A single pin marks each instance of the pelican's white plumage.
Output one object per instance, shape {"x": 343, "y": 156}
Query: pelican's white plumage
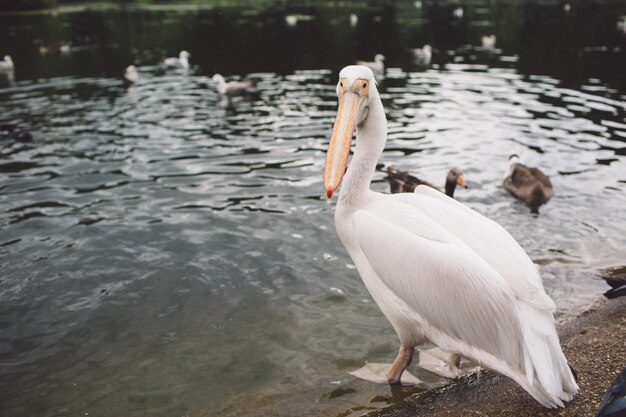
{"x": 438, "y": 270}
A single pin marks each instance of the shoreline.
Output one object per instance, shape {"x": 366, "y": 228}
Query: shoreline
{"x": 595, "y": 346}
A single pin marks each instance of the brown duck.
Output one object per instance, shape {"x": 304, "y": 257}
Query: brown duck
{"x": 403, "y": 182}
{"x": 528, "y": 184}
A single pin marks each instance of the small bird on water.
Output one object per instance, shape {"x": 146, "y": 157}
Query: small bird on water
{"x": 528, "y": 184}
{"x": 182, "y": 62}
{"x": 403, "y": 182}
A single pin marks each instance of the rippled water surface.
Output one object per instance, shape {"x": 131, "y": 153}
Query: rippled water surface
{"x": 165, "y": 253}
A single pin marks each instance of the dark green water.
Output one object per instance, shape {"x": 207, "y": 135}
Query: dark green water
{"x": 164, "y": 254}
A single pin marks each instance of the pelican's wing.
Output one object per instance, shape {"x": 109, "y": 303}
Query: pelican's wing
{"x": 460, "y": 301}
{"x": 488, "y": 239}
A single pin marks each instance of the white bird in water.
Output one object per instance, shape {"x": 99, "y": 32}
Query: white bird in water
{"x": 131, "y": 76}
{"x": 378, "y": 66}
{"x": 438, "y": 270}
{"x": 232, "y": 88}
{"x": 489, "y": 42}
{"x": 182, "y": 62}
{"x": 458, "y": 12}
{"x": 6, "y": 65}
{"x": 291, "y": 20}
{"x": 423, "y": 55}
{"x": 354, "y": 20}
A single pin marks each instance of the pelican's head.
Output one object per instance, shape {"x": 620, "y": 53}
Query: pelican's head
{"x": 355, "y": 89}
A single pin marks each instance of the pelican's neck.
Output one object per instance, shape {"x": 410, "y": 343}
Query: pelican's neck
{"x": 370, "y": 142}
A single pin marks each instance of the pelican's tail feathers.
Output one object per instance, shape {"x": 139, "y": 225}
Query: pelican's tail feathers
{"x": 549, "y": 378}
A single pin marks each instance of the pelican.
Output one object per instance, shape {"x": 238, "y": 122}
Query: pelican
{"x": 232, "y": 88}
{"x": 438, "y": 270}
{"x": 528, "y": 184}
{"x": 131, "y": 76}
{"x": 403, "y": 182}
{"x": 6, "y": 65}
{"x": 422, "y": 55}
{"x": 181, "y": 62}
{"x": 378, "y": 66}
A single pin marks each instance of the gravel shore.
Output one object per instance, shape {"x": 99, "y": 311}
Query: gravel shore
{"x": 595, "y": 345}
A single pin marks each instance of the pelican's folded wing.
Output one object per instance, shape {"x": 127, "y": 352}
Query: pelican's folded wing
{"x": 461, "y": 302}
{"x": 488, "y": 239}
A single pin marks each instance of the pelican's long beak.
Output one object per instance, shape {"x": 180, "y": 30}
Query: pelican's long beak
{"x": 352, "y": 101}
{"x": 461, "y": 181}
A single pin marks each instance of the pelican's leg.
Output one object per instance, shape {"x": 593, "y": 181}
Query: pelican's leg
{"x": 403, "y": 360}
{"x": 441, "y": 363}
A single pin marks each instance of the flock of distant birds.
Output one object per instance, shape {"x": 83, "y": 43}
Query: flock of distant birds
{"x": 226, "y": 89}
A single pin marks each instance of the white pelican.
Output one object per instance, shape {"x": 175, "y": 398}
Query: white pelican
{"x": 403, "y": 182}
{"x": 528, "y": 184}
{"x": 488, "y": 41}
{"x": 6, "y": 65}
{"x": 131, "y": 76}
{"x": 423, "y": 55}
{"x": 438, "y": 270}
{"x": 232, "y": 88}
{"x": 181, "y": 62}
{"x": 378, "y": 66}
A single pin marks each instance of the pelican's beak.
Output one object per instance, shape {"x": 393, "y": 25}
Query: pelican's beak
{"x": 461, "y": 181}
{"x": 352, "y": 100}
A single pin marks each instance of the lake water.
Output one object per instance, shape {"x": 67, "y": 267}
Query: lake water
{"x": 166, "y": 254}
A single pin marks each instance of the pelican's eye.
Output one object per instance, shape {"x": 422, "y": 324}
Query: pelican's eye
{"x": 341, "y": 84}
{"x": 364, "y": 84}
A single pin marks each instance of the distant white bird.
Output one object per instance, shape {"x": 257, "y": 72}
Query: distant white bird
{"x": 567, "y": 7}
{"x": 621, "y": 25}
{"x": 7, "y": 65}
{"x": 354, "y": 20}
{"x": 458, "y": 12}
{"x": 422, "y": 55}
{"x": 417, "y": 4}
{"x": 378, "y": 66}
{"x": 131, "y": 76}
{"x": 438, "y": 270}
{"x": 291, "y": 20}
{"x": 232, "y": 88}
{"x": 181, "y": 62}
{"x": 488, "y": 41}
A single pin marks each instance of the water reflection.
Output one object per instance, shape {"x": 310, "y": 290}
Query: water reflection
{"x": 164, "y": 254}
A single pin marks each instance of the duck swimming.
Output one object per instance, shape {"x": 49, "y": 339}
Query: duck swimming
{"x": 403, "y": 182}
{"x": 528, "y": 184}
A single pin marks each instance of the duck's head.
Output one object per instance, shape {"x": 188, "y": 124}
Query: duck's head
{"x": 184, "y": 55}
{"x": 356, "y": 89}
{"x": 379, "y": 58}
{"x": 454, "y": 178}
